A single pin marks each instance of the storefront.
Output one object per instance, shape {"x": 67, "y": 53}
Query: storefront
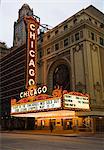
{"x": 92, "y": 120}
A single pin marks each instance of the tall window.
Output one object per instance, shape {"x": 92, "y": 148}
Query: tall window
{"x": 81, "y": 34}
{"x": 48, "y": 50}
{"x": 56, "y": 46}
{"x": 66, "y": 27}
{"x": 56, "y": 32}
{"x": 40, "y": 54}
{"x": 66, "y": 42}
{"x": 77, "y": 36}
{"x": 48, "y": 36}
{"x": 72, "y": 38}
{"x": 92, "y": 36}
{"x": 101, "y": 41}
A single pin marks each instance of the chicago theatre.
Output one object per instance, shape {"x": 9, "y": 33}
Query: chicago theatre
{"x": 54, "y": 76}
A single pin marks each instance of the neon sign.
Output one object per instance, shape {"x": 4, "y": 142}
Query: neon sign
{"x": 76, "y": 101}
{"x": 33, "y": 92}
{"x": 49, "y": 104}
{"x": 32, "y": 26}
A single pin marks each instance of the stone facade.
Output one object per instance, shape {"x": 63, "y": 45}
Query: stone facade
{"x": 77, "y": 43}
{"x": 70, "y": 55}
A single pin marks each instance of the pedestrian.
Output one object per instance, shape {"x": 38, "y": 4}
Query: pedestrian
{"x": 51, "y": 127}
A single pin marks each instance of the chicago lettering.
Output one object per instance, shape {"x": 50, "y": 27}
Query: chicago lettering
{"x": 32, "y": 55}
{"x": 33, "y": 92}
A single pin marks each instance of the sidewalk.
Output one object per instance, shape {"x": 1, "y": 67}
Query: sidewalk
{"x": 64, "y": 133}
{"x": 43, "y": 132}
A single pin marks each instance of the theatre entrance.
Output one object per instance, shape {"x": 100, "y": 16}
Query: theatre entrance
{"x": 57, "y": 123}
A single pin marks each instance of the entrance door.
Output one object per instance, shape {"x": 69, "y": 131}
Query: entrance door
{"x": 68, "y": 124}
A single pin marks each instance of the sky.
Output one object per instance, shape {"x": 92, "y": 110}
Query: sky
{"x": 51, "y": 12}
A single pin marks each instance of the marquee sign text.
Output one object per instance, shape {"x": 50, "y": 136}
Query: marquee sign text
{"x": 32, "y": 27}
{"x": 36, "y": 106}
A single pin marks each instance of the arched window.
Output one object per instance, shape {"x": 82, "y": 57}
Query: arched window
{"x": 61, "y": 77}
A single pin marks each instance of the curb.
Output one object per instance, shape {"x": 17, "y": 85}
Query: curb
{"x": 56, "y": 134}
{"x": 47, "y": 134}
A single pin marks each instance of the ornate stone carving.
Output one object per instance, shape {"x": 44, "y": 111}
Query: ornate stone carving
{"x": 93, "y": 47}
{"x": 78, "y": 47}
{"x": 97, "y": 86}
{"x": 80, "y": 87}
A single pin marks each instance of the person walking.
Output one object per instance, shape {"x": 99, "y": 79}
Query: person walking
{"x": 51, "y": 127}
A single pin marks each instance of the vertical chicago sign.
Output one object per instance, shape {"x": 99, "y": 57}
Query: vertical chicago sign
{"x": 32, "y": 25}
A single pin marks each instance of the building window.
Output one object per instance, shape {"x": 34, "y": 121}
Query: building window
{"x": 92, "y": 36}
{"x": 77, "y": 36}
{"x": 95, "y": 22}
{"x": 66, "y": 42}
{"x": 81, "y": 34}
{"x": 48, "y": 50}
{"x": 90, "y": 19}
{"x": 56, "y": 46}
{"x": 101, "y": 41}
{"x": 61, "y": 77}
{"x": 42, "y": 40}
{"x": 72, "y": 38}
{"x": 75, "y": 20}
{"x": 40, "y": 54}
{"x": 102, "y": 25}
{"x": 65, "y": 27}
{"x": 48, "y": 36}
{"x": 56, "y": 32}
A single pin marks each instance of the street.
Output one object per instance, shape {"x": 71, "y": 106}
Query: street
{"x": 15, "y": 141}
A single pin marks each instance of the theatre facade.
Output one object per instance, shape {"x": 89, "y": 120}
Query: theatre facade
{"x": 58, "y": 109}
{"x": 63, "y": 74}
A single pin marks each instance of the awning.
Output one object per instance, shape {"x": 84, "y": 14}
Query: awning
{"x": 60, "y": 113}
{"x": 90, "y": 113}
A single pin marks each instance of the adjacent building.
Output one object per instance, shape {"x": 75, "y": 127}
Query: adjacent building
{"x": 19, "y": 37}
{"x": 70, "y": 55}
{"x": 3, "y": 50}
